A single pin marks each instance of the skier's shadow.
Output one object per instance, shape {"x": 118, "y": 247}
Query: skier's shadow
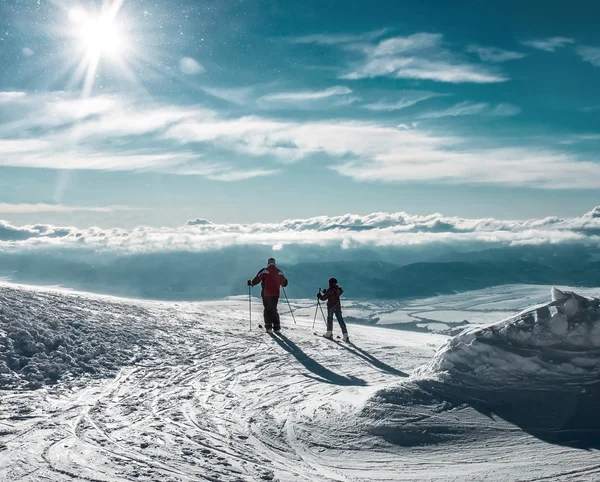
{"x": 359, "y": 352}
{"x": 324, "y": 374}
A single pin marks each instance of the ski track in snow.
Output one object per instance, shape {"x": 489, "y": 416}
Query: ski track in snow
{"x": 211, "y": 400}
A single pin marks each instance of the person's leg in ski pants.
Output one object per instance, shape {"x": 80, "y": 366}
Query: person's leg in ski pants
{"x": 270, "y": 313}
{"x": 338, "y": 314}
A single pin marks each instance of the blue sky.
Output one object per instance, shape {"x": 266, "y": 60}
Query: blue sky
{"x": 152, "y": 113}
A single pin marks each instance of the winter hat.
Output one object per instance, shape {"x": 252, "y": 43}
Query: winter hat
{"x": 332, "y": 281}
{"x": 271, "y": 261}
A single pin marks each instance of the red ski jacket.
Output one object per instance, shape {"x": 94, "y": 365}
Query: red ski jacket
{"x": 332, "y": 295}
{"x": 271, "y": 279}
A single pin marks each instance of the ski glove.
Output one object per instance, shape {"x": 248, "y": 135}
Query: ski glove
{"x": 249, "y": 282}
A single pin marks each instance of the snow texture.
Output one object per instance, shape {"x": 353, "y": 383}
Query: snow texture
{"x": 193, "y": 394}
{"x": 46, "y": 337}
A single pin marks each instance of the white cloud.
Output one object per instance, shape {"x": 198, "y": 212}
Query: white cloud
{"x": 389, "y": 154}
{"x": 549, "y": 44}
{"x": 306, "y": 95}
{"x": 174, "y": 139}
{"x": 529, "y": 167}
{"x": 189, "y": 66}
{"x": 234, "y": 95}
{"x": 469, "y": 108}
{"x": 27, "y": 52}
{"x": 405, "y": 99}
{"x": 589, "y": 54}
{"x": 23, "y": 208}
{"x": 494, "y": 54}
{"x": 11, "y": 96}
{"x": 420, "y": 56}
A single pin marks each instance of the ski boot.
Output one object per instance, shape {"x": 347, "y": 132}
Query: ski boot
{"x": 328, "y": 335}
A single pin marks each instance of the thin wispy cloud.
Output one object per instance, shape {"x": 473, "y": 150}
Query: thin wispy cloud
{"x": 422, "y": 56}
{"x": 182, "y": 140}
{"x": 549, "y": 44}
{"x": 589, "y": 54}
{"x": 219, "y": 172}
{"x": 494, "y": 54}
{"x": 233, "y": 95}
{"x": 591, "y": 108}
{"x": 505, "y": 110}
{"x": 24, "y": 208}
{"x": 386, "y": 154}
{"x": 307, "y": 95}
{"x": 338, "y": 39}
{"x": 405, "y": 99}
{"x": 470, "y": 108}
{"x": 233, "y": 175}
{"x": 580, "y": 138}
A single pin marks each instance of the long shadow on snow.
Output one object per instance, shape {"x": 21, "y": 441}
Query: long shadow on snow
{"x": 561, "y": 415}
{"x": 359, "y": 352}
{"x": 421, "y": 412}
{"x": 324, "y": 374}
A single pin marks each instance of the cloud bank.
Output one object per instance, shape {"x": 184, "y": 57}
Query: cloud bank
{"x": 208, "y": 260}
{"x": 349, "y": 231}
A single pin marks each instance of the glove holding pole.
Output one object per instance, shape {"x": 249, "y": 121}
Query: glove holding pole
{"x": 317, "y": 308}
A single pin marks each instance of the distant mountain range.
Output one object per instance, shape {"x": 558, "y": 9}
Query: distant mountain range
{"x": 197, "y": 276}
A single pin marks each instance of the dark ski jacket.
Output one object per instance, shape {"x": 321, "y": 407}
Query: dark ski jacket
{"x": 271, "y": 279}
{"x": 332, "y": 295}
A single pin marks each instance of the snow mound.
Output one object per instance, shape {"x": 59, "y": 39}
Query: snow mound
{"x": 557, "y": 340}
{"x": 48, "y": 337}
{"x": 538, "y": 370}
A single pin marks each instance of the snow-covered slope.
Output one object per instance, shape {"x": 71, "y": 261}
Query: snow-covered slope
{"x": 198, "y": 396}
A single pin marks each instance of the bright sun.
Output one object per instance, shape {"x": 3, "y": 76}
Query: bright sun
{"x": 100, "y": 36}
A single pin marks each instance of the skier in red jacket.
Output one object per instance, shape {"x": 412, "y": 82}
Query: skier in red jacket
{"x": 271, "y": 279}
{"x": 334, "y": 307}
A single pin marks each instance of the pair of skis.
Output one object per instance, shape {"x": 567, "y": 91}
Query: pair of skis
{"x": 336, "y": 339}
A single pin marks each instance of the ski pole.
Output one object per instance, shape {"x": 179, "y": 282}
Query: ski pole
{"x": 323, "y": 313}
{"x": 316, "y": 311}
{"x": 290, "y": 306}
{"x": 250, "y": 304}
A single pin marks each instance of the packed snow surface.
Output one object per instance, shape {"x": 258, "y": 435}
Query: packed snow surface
{"x": 104, "y": 389}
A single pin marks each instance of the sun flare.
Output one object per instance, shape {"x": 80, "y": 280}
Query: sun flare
{"x": 99, "y": 36}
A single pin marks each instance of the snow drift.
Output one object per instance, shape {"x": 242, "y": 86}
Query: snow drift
{"x": 539, "y": 370}
{"x": 555, "y": 342}
{"x": 46, "y": 337}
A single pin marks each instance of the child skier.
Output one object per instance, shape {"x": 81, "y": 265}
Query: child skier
{"x": 334, "y": 307}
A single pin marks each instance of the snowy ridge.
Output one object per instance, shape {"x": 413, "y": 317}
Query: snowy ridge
{"x": 558, "y": 339}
